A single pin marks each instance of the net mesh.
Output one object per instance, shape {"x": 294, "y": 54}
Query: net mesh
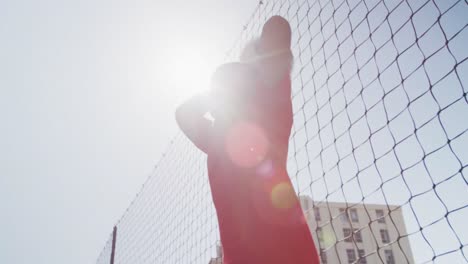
{"x": 105, "y": 255}
{"x": 380, "y": 107}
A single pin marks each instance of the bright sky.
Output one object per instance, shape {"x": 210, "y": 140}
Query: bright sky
{"x": 87, "y": 97}
{"x": 88, "y": 90}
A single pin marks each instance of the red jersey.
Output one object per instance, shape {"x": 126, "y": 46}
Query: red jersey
{"x": 259, "y": 215}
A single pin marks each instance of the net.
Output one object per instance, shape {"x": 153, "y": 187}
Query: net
{"x": 379, "y": 148}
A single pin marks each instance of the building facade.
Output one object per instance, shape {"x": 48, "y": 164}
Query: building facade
{"x": 354, "y": 233}
{"x": 358, "y": 233}
{"x": 219, "y": 255}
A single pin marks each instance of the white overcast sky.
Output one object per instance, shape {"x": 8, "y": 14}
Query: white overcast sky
{"x": 88, "y": 90}
{"x": 87, "y": 93}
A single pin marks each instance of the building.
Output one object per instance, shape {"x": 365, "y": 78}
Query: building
{"x": 354, "y": 233}
{"x": 358, "y": 233}
{"x": 217, "y": 260}
{"x": 219, "y": 255}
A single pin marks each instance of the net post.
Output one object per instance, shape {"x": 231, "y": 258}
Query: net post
{"x": 114, "y": 238}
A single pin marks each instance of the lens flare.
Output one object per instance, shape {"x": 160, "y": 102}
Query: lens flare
{"x": 265, "y": 169}
{"x": 246, "y": 144}
{"x": 283, "y": 196}
{"x": 327, "y": 237}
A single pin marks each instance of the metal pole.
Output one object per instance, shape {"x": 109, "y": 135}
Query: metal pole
{"x": 114, "y": 238}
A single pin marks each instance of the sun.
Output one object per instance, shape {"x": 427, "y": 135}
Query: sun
{"x": 189, "y": 73}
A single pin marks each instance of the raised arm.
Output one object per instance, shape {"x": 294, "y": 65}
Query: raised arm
{"x": 191, "y": 119}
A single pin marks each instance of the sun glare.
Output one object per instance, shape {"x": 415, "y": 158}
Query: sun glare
{"x": 189, "y": 73}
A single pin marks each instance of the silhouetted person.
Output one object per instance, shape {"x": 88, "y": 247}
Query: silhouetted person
{"x": 260, "y": 218}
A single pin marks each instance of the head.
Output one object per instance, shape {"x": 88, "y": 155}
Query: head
{"x": 276, "y": 35}
{"x": 272, "y": 51}
{"x": 270, "y": 54}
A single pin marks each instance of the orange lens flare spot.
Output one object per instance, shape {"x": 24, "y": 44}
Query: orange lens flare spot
{"x": 246, "y": 144}
{"x": 283, "y": 196}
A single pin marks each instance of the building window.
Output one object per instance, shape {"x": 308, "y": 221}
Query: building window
{"x": 357, "y": 235}
{"x": 389, "y": 259}
{"x": 347, "y": 235}
{"x": 343, "y": 215}
{"x": 354, "y": 215}
{"x": 361, "y": 254}
{"x": 323, "y": 256}
{"x": 384, "y": 235}
{"x": 351, "y": 255}
{"x": 380, "y": 216}
{"x": 317, "y": 214}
